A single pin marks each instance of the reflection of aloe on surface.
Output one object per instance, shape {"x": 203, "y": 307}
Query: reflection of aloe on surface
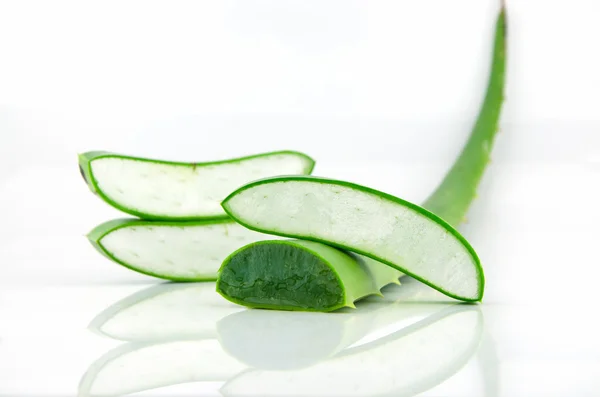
{"x": 287, "y": 340}
{"x": 165, "y": 312}
{"x": 173, "y": 339}
{"x": 407, "y": 237}
{"x": 404, "y": 363}
{"x": 174, "y": 357}
{"x": 135, "y": 367}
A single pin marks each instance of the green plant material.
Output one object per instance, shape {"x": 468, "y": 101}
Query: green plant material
{"x": 296, "y": 275}
{"x": 452, "y": 198}
{"x": 177, "y": 251}
{"x": 156, "y": 189}
{"x": 385, "y": 228}
{"x": 368, "y": 222}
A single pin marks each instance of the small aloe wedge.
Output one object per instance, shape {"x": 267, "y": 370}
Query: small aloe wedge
{"x": 168, "y": 190}
{"x": 298, "y": 275}
{"x": 177, "y": 251}
{"x": 420, "y": 241}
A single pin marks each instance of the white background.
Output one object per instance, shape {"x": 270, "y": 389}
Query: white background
{"x": 382, "y": 93}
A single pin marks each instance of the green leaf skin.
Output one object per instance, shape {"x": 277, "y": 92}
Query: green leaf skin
{"x": 158, "y": 191}
{"x": 446, "y": 207}
{"x": 181, "y": 246}
{"x": 294, "y": 275}
{"x": 452, "y": 198}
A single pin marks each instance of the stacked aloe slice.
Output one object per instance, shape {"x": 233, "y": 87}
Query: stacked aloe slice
{"x": 210, "y": 221}
{"x": 184, "y": 234}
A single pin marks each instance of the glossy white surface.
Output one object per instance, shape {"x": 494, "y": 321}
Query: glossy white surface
{"x": 413, "y": 342}
{"x": 380, "y": 93}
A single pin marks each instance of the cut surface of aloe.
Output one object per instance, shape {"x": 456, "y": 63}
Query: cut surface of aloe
{"x": 295, "y": 275}
{"x": 178, "y": 251}
{"x": 365, "y": 221}
{"x": 156, "y": 189}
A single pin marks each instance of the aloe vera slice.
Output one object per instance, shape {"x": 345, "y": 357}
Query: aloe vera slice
{"x": 296, "y": 275}
{"x": 385, "y": 228}
{"x": 156, "y": 189}
{"x": 165, "y": 312}
{"x": 365, "y": 221}
{"x": 178, "y": 251}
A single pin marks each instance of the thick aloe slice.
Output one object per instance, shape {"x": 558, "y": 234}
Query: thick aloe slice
{"x": 133, "y": 367}
{"x": 178, "y": 251}
{"x": 166, "y": 311}
{"x": 156, "y": 189}
{"x": 403, "y": 235}
{"x": 405, "y": 363}
{"x": 371, "y": 223}
{"x": 296, "y": 275}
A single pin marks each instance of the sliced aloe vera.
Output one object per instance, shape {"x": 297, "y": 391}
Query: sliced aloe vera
{"x": 385, "y": 228}
{"x": 296, "y": 275}
{"x": 362, "y": 220}
{"x": 178, "y": 251}
{"x": 156, "y": 189}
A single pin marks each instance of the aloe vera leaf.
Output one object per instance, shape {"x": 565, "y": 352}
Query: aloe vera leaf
{"x": 168, "y": 190}
{"x": 453, "y": 196}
